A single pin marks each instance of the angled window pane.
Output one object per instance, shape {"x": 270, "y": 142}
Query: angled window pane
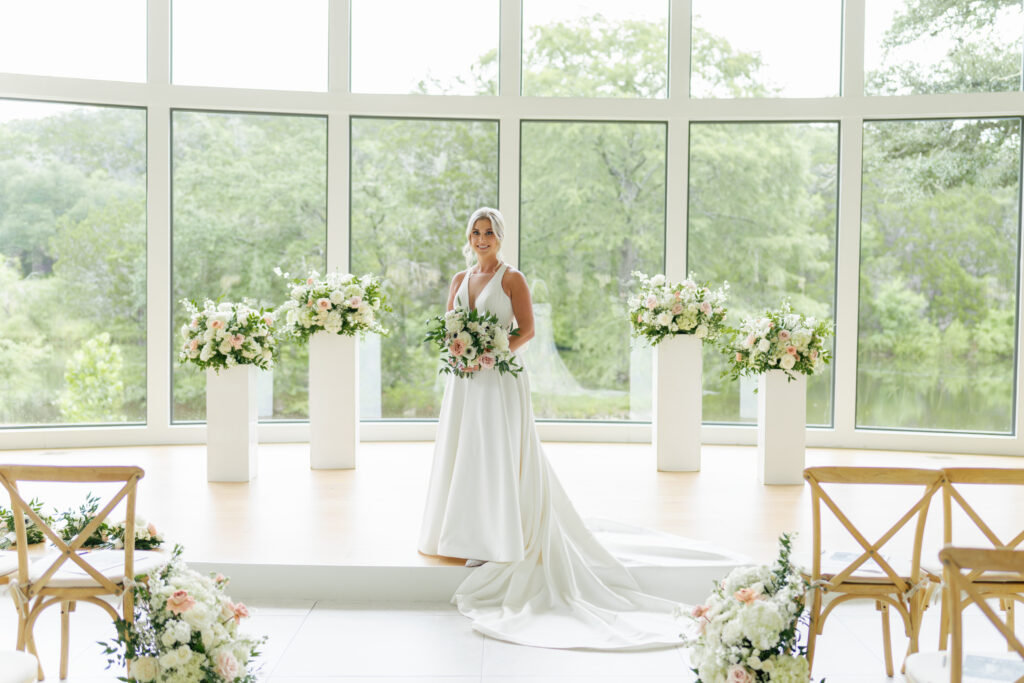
{"x": 442, "y": 47}
{"x": 249, "y": 193}
{"x": 104, "y": 39}
{"x": 948, "y": 47}
{"x": 592, "y": 212}
{"x": 752, "y": 48}
{"x": 762, "y": 216}
{"x": 414, "y": 185}
{"x": 250, "y": 44}
{"x": 595, "y": 48}
{"x": 938, "y": 283}
{"x": 72, "y": 264}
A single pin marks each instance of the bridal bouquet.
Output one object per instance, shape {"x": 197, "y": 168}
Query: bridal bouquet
{"x": 228, "y": 334}
{"x": 338, "y": 303}
{"x": 469, "y": 339}
{"x": 661, "y": 309}
{"x": 780, "y": 340}
{"x": 747, "y": 629}
{"x": 185, "y": 629}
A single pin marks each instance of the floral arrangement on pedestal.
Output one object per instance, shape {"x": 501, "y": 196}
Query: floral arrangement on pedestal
{"x": 223, "y": 335}
{"x": 185, "y": 629}
{"x": 660, "y": 308}
{"x": 338, "y": 303}
{"x": 779, "y": 340}
{"x": 470, "y": 340}
{"x": 747, "y": 629}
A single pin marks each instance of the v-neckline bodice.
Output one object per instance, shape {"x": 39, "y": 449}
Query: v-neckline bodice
{"x": 494, "y": 276}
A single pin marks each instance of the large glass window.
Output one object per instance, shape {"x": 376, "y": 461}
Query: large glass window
{"x": 943, "y": 47}
{"x": 762, "y": 216}
{"x": 592, "y": 212}
{"x": 938, "y": 286}
{"x": 752, "y": 48}
{"x": 74, "y": 39}
{"x": 250, "y": 44}
{"x": 605, "y": 48}
{"x": 414, "y": 184}
{"x": 72, "y": 264}
{"x": 442, "y": 47}
{"x": 249, "y": 193}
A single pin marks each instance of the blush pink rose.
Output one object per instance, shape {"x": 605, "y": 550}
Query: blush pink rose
{"x": 784, "y": 335}
{"x": 323, "y": 304}
{"x": 238, "y": 610}
{"x": 151, "y": 530}
{"x": 699, "y": 611}
{"x": 651, "y": 302}
{"x": 679, "y": 294}
{"x": 705, "y": 307}
{"x": 216, "y": 324}
{"x": 677, "y": 309}
{"x": 268, "y": 319}
{"x": 236, "y": 340}
{"x": 310, "y": 280}
{"x": 738, "y": 674}
{"x": 457, "y": 348}
{"x": 193, "y": 345}
{"x": 739, "y": 357}
{"x": 747, "y": 595}
{"x": 791, "y": 350}
{"x": 814, "y": 354}
{"x": 226, "y": 665}
{"x": 194, "y": 324}
{"x": 487, "y": 361}
{"x": 180, "y": 602}
{"x": 355, "y": 301}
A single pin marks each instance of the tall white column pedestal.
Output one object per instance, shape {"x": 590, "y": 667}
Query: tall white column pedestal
{"x": 678, "y": 368}
{"x": 231, "y": 424}
{"x": 333, "y": 401}
{"x": 781, "y": 427}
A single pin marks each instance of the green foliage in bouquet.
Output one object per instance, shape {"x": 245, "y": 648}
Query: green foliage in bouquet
{"x": 779, "y": 340}
{"x": 222, "y": 335}
{"x": 470, "y": 341}
{"x": 660, "y": 309}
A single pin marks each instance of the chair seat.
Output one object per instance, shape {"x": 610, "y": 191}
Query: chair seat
{"x": 109, "y": 563}
{"x": 933, "y": 667}
{"x": 17, "y": 667}
{"x": 8, "y": 562}
{"x": 834, "y": 562}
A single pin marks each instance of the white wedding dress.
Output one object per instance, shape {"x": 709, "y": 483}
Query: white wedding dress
{"x": 493, "y": 496}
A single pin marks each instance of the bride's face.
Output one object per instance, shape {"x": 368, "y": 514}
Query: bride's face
{"x": 482, "y": 239}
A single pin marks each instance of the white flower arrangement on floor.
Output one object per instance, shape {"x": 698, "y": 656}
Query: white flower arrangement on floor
{"x": 185, "y": 629}
{"x": 147, "y": 537}
{"x": 338, "y": 303}
{"x": 780, "y": 340}
{"x": 660, "y": 308}
{"x": 470, "y": 341}
{"x": 747, "y": 629}
{"x": 223, "y": 335}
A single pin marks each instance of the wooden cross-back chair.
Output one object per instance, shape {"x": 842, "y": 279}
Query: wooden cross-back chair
{"x": 67, "y": 576}
{"x": 961, "y": 569}
{"x": 902, "y": 587}
{"x": 1007, "y": 588}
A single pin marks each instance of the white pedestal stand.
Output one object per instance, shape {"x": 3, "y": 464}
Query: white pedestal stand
{"x": 678, "y": 365}
{"x": 781, "y": 427}
{"x": 231, "y": 424}
{"x": 333, "y": 401}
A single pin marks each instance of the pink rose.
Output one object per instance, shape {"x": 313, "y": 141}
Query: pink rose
{"x": 220, "y": 578}
{"x": 705, "y": 307}
{"x": 355, "y": 301}
{"x": 677, "y": 309}
{"x": 193, "y": 345}
{"x": 699, "y": 611}
{"x": 216, "y": 324}
{"x": 747, "y": 595}
{"x": 457, "y": 348}
{"x": 679, "y": 294}
{"x": 814, "y": 354}
{"x": 268, "y": 319}
{"x": 739, "y": 357}
{"x": 784, "y": 335}
{"x": 738, "y": 674}
{"x": 652, "y": 302}
{"x": 791, "y": 350}
{"x": 194, "y": 324}
{"x": 236, "y": 340}
{"x": 749, "y": 340}
{"x": 310, "y": 281}
{"x": 690, "y": 285}
{"x": 487, "y": 360}
{"x": 237, "y": 610}
{"x": 323, "y": 304}
{"x": 226, "y": 665}
{"x": 151, "y": 530}
{"x": 180, "y": 602}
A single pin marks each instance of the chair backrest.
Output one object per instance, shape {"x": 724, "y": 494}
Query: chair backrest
{"x": 958, "y": 565}
{"x": 10, "y": 475}
{"x": 955, "y": 501}
{"x": 928, "y": 480}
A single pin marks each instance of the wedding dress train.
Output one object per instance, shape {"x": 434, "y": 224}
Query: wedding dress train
{"x": 493, "y": 496}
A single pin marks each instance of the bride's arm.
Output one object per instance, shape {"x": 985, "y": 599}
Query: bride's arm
{"x": 453, "y": 289}
{"x": 522, "y": 308}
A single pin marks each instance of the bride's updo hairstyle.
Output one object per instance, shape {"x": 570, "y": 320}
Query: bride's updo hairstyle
{"x": 497, "y": 224}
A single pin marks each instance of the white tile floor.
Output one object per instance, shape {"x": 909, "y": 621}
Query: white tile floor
{"x": 313, "y": 642}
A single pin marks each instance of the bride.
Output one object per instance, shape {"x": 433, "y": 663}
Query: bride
{"x": 543, "y": 578}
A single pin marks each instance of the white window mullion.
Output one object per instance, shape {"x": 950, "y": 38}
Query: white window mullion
{"x": 338, "y": 131}
{"x": 509, "y": 86}
{"x": 677, "y": 161}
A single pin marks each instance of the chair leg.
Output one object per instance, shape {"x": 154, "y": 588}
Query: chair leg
{"x": 944, "y": 618}
{"x": 886, "y": 636}
{"x": 66, "y": 608}
{"x": 1008, "y": 608}
{"x": 812, "y": 630}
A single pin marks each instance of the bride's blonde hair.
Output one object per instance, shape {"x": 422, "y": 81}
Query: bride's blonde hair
{"x": 497, "y": 224}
